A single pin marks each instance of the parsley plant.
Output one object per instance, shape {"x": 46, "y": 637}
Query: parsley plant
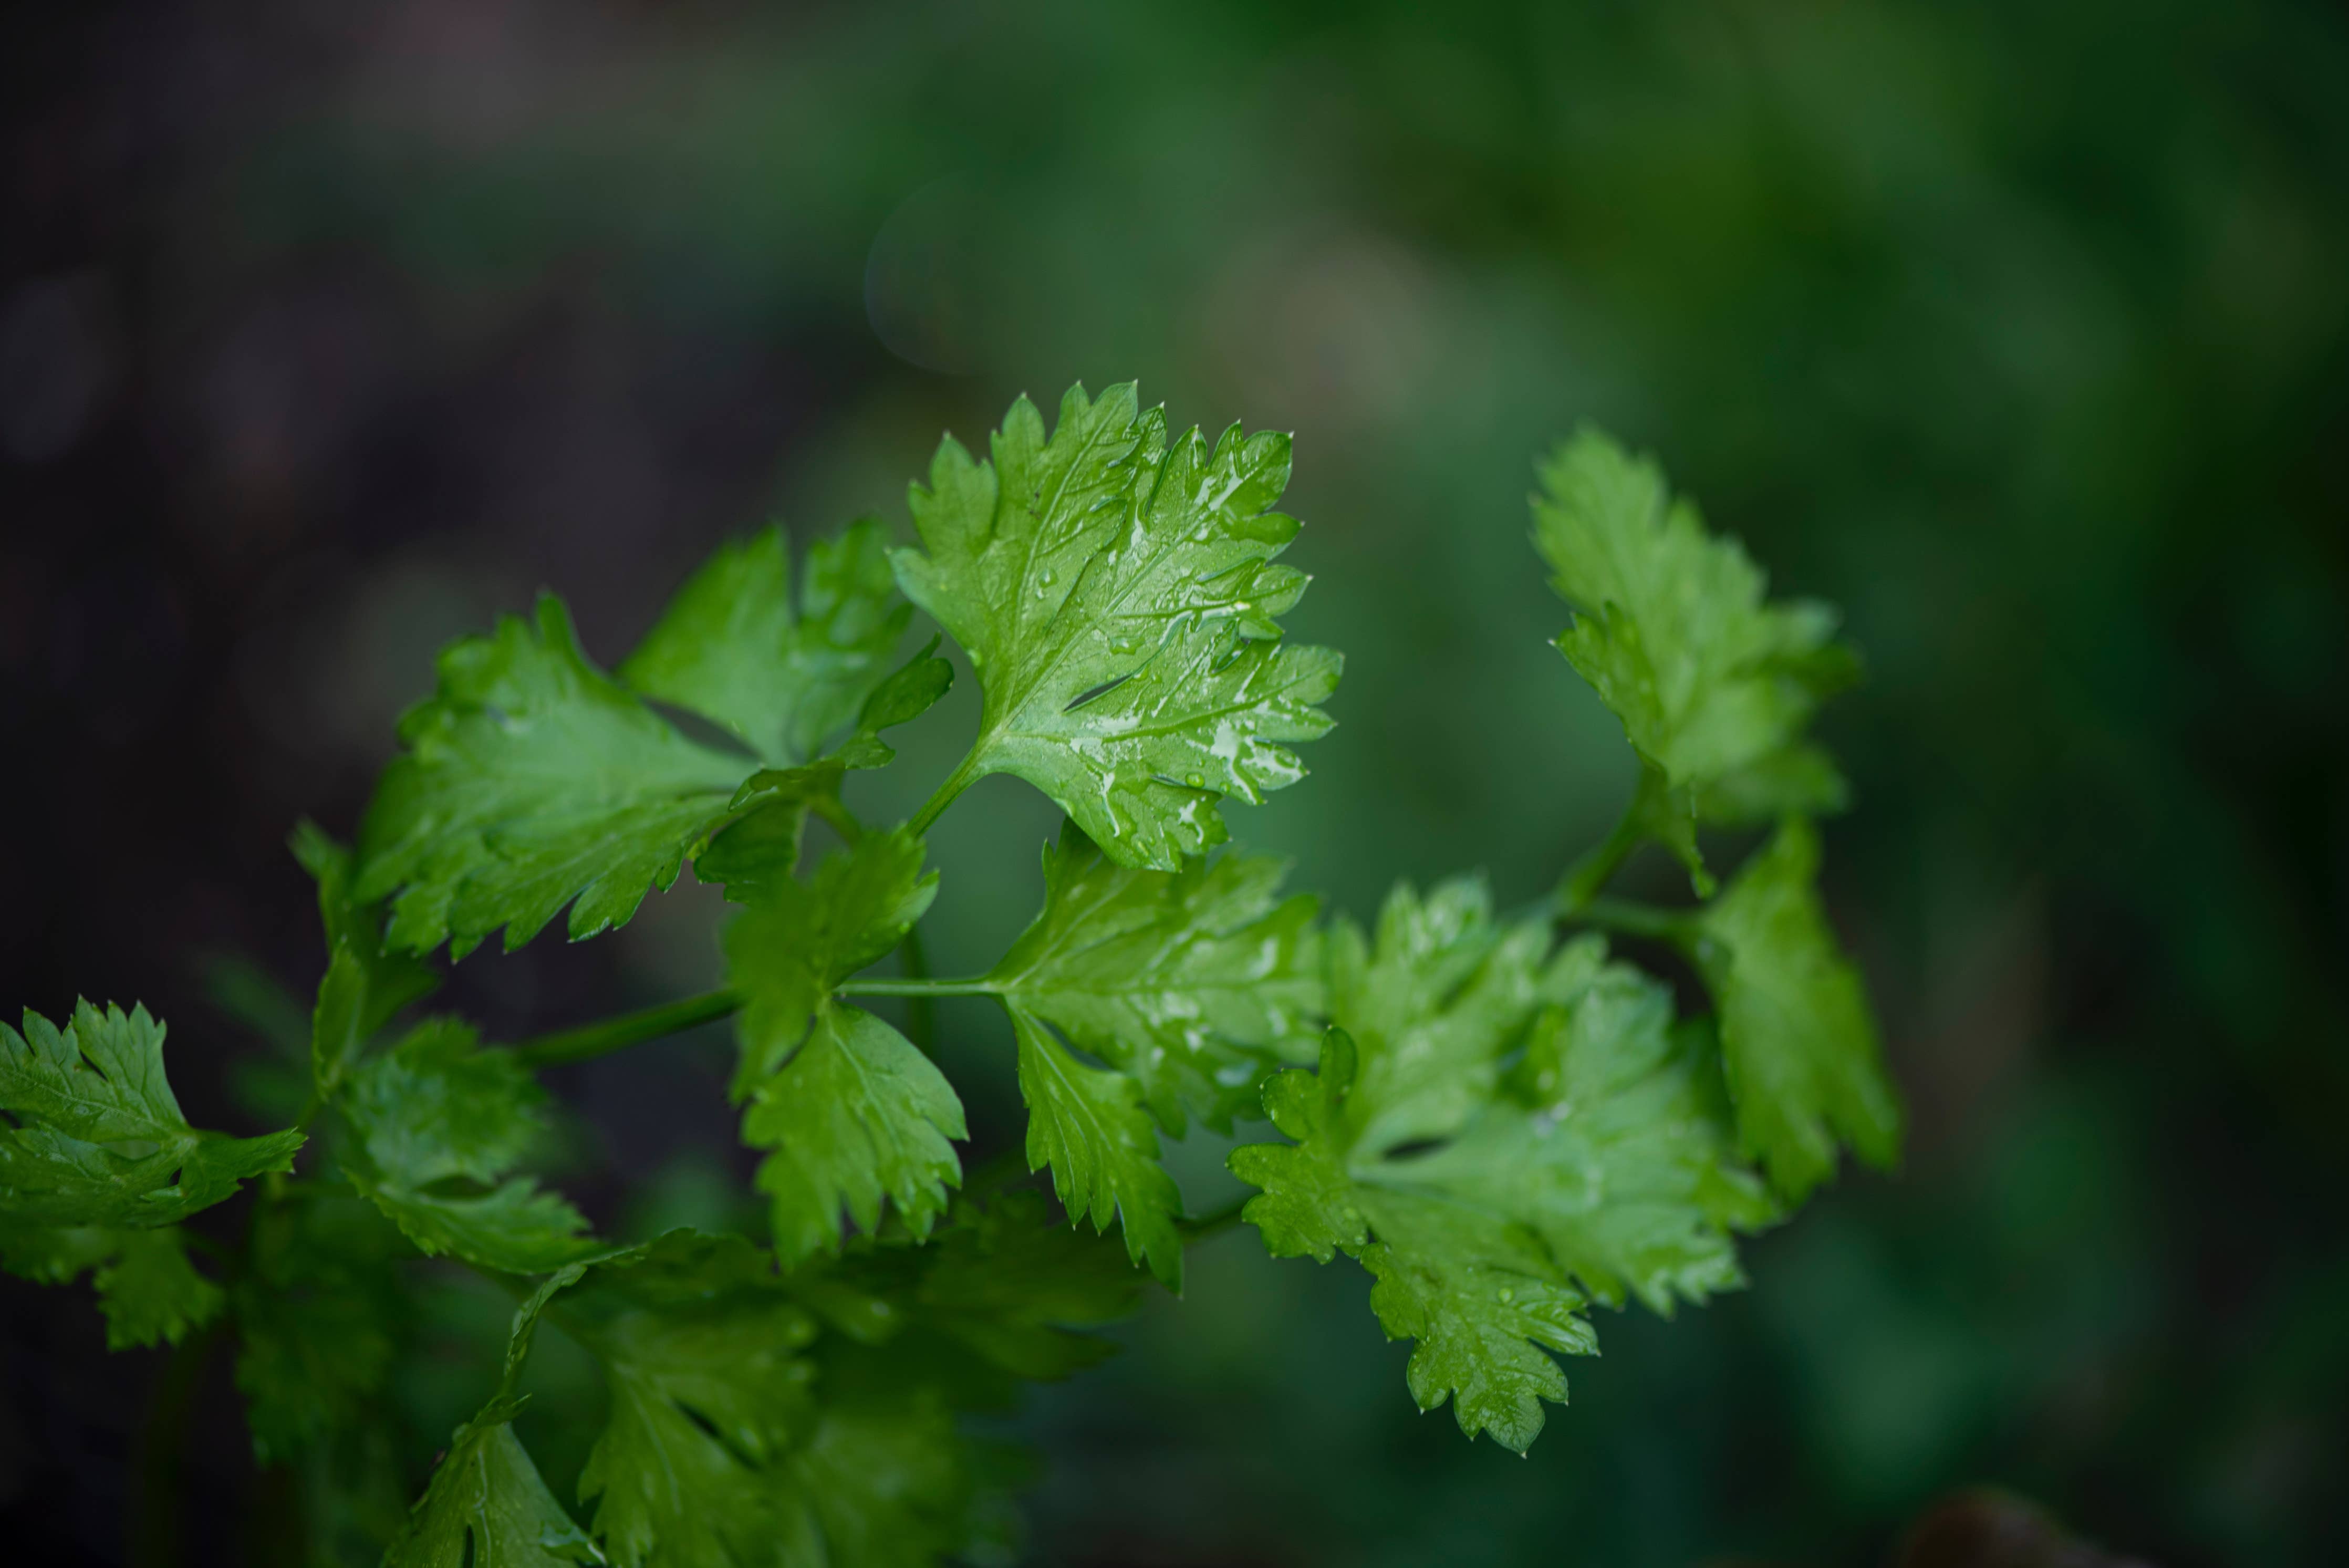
{"x": 1502, "y": 1120}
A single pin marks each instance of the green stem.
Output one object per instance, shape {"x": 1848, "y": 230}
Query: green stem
{"x": 921, "y": 1006}
{"x": 1584, "y": 878}
{"x": 627, "y": 1028}
{"x": 156, "y": 1536}
{"x": 966, "y": 774}
{"x": 1637, "y": 919}
{"x": 980, "y": 987}
{"x": 842, "y": 820}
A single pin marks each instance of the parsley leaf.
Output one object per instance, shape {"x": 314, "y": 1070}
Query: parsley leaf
{"x": 1713, "y": 685}
{"x": 1004, "y": 1280}
{"x": 1193, "y": 982}
{"x": 1612, "y": 1145}
{"x": 1088, "y": 1125}
{"x": 364, "y": 984}
{"x": 883, "y": 1482}
{"x": 857, "y": 1115}
{"x": 1431, "y": 1000}
{"x": 1475, "y": 1288}
{"x": 854, "y": 1113}
{"x": 439, "y": 1123}
{"x": 997, "y": 1276}
{"x": 98, "y": 1137}
{"x": 1189, "y": 983}
{"x": 148, "y": 1291}
{"x": 795, "y": 940}
{"x": 1799, "y": 1043}
{"x": 710, "y": 1388}
{"x": 729, "y": 1442}
{"x": 486, "y": 1503}
{"x": 1490, "y": 1190}
{"x": 1483, "y": 1303}
{"x": 532, "y": 780}
{"x": 320, "y": 1316}
{"x": 1117, "y": 599}
{"x": 733, "y": 648}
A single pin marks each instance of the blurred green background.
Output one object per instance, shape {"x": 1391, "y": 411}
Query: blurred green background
{"x": 2020, "y": 331}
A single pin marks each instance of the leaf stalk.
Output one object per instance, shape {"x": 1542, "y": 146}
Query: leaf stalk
{"x": 629, "y": 1029}
{"x": 1633, "y": 918}
{"x": 966, "y": 774}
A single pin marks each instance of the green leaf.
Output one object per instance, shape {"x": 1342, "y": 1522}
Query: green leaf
{"x": 857, "y": 1116}
{"x": 1117, "y": 599}
{"x": 1194, "y": 983}
{"x": 733, "y": 1439}
{"x": 732, "y": 647}
{"x": 1432, "y": 1001}
{"x": 1002, "y": 1278}
{"x": 999, "y": 1275}
{"x": 883, "y": 1482}
{"x": 1713, "y": 685}
{"x": 1088, "y": 1125}
{"x": 1614, "y": 1147}
{"x": 364, "y": 984}
{"x": 1474, "y": 1286}
{"x": 1306, "y": 1207}
{"x": 1484, "y": 1302}
{"x": 98, "y": 1139}
{"x": 321, "y": 1315}
{"x": 762, "y": 849}
{"x": 709, "y": 1390}
{"x": 440, "y": 1122}
{"x": 487, "y": 1506}
{"x": 854, "y": 1113}
{"x": 796, "y": 941}
{"x": 1798, "y": 1043}
{"x": 148, "y": 1291}
{"x": 532, "y": 779}
{"x": 1488, "y": 1191}
{"x": 912, "y": 689}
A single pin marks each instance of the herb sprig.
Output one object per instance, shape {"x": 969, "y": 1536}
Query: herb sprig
{"x": 1501, "y": 1119}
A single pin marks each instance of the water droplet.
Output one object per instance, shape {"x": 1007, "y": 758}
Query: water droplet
{"x": 1196, "y": 781}
{"x": 1242, "y": 606}
{"x": 1507, "y": 1296}
{"x": 1048, "y": 577}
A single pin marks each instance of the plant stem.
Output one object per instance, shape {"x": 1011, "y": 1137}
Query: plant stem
{"x": 627, "y": 1028}
{"x": 921, "y": 1006}
{"x": 966, "y": 774}
{"x": 981, "y": 987}
{"x": 155, "y": 1529}
{"x": 1637, "y": 919}
{"x": 842, "y": 820}
{"x": 1584, "y": 878}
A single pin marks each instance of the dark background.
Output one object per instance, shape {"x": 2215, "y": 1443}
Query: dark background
{"x": 2021, "y": 331}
